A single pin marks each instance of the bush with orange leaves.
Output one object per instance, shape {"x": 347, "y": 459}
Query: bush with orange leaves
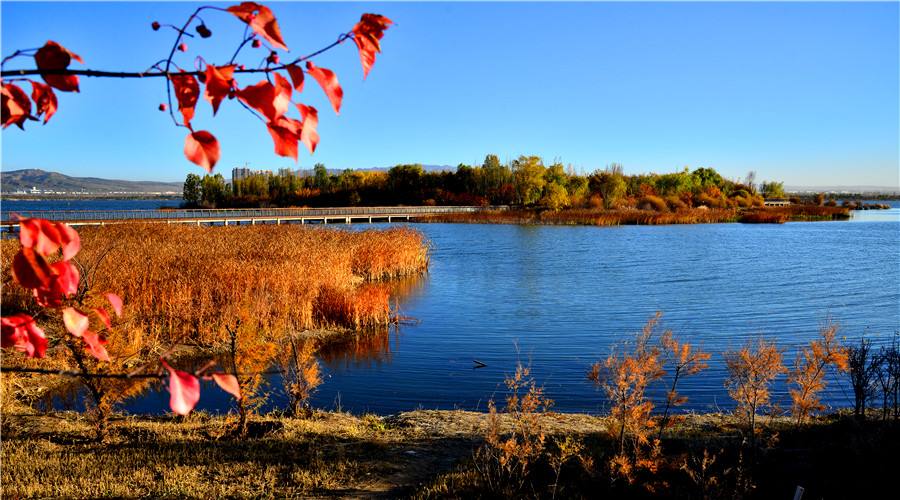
{"x": 624, "y": 377}
{"x": 686, "y": 360}
{"x": 506, "y": 459}
{"x": 810, "y": 368}
{"x": 751, "y": 371}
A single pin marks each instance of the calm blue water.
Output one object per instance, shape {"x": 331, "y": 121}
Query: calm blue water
{"x": 560, "y": 297}
{"x": 10, "y": 206}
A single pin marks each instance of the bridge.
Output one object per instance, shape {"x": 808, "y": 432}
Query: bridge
{"x": 237, "y": 216}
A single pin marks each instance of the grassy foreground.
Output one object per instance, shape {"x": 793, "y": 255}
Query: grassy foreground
{"x": 425, "y": 454}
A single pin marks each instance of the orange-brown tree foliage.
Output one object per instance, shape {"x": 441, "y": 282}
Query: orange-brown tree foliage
{"x": 624, "y": 377}
{"x": 751, "y": 371}
{"x": 810, "y": 369}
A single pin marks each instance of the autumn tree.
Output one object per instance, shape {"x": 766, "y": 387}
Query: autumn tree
{"x": 270, "y": 100}
{"x": 810, "y": 368}
{"x": 686, "y": 360}
{"x": 624, "y": 377}
{"x": 751, "y": 371}
{"x": 528, "y": 172}
{"x": 609, "y": 184}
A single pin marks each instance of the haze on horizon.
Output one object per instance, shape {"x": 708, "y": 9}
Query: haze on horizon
{"x": 805, "y": 93}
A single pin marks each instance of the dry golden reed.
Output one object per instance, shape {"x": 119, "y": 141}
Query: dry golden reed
{"x": 187, "y": 284}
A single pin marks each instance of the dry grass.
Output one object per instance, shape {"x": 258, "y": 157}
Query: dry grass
{"x": 594, "y": 217}
{"x": 184, "y": 283}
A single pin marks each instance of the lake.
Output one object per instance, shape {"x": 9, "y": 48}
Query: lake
{"x": 560, "y": 297}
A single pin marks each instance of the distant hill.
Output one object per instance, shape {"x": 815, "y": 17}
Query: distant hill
{"x": 24, "y": 180}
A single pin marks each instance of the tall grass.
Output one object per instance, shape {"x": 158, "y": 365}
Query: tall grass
{"x": 188, "y": 284}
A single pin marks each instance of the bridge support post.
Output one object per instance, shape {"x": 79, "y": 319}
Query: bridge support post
{"x": 277, "y": 222}
{"x": 347, "y": 220}
{"x": 389, "y": 218}
{"x": 370, "y": 220}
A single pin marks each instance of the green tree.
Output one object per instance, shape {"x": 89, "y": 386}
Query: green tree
{"x": 213, "y": 189}
{"x": 609, "y": 184}
{"x": 320, "y": 176}
{"x": 528, "y": 172}
{"x": 555, "y": 197}
{"x": 772, "y": 189}
{"x": 191, "y": 192}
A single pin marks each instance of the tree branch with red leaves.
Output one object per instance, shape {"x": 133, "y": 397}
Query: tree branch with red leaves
{"x": 271, "y": 102}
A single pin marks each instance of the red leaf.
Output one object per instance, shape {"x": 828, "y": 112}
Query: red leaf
{"x": 76, "y": 322}
{"x": 309, "y": 135}
{"x": 16, "y": 107}
{"x": 367, "y": 34}
{"x": 47, "y": 237}
{"x": 261, "y": 21}
{"x": 296, "y": 74}
{"x": 184, "y": 390}
{"x": 53, "y": 56}
{"x": 30, "y": 269}
{"x": 95, "y": 345}
{"x": 202, "y": 148}
{"x": 228, "y": 383}
{"x": 115, "y": 302}
{"x": 219, "y": 82}
{"x": 44, "y": 99}
{"x": 286, "y": 133}
{"x": 262, "y": 97}
{"x": 62, "y": 283}
{"x": 21, "y": 332}
{"x": 329, "y": 83}
{"x": 67, "y": 277}
{"x": 284, "y": 91}
{"x": 187, "y": 91}
{"x": 104, "y": 316}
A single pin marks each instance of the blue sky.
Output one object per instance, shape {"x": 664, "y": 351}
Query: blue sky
{"x": 801, "y": 92}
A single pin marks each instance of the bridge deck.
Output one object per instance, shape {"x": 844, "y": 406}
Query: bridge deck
{"x": 228, "y": 216}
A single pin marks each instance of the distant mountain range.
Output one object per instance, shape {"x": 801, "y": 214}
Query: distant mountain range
{"x": 38, "y": 181}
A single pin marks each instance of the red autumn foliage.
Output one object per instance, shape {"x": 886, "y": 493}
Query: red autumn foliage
{"x": 228, "y": 383}
{"x": 202, "y": 148}
{"x": 76, "y": 321}
{"x": 47, "y": 237}
{"x": 272, "y": 101}
{"x": 16, "y": 106}
{"x": 219, "y": 83}
{"x": 184, "y": 390}
{"x": 115, "y": 302}
{"x": 53, "y": 56}
{"x": 285, "y": 133}
{"x": 261, "y": 21}
{"x": 187, "y": 90}
{"x": 367, "y": 34}
{"x": 309, "y": 135}
{"x": 329, "y": 83}
{"x": 20, "y": 332}
{"x": 261, "y": 97}
{"x": 296, "y": 74}
{"x": 44, "y": 100}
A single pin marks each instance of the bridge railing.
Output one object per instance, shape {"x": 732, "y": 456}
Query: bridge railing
{"x": 231, "y": 213}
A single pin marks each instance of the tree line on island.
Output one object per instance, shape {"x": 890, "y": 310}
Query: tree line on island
{"x": 525, "y": 181}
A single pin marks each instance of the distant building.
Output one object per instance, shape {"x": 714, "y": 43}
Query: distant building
{"x": 777, "y": 202}
{"x": 239, "y": 173}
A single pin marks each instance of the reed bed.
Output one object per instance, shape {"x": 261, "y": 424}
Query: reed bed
{"x": 594, "y": 217}
{"x": 188, "y": 284}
